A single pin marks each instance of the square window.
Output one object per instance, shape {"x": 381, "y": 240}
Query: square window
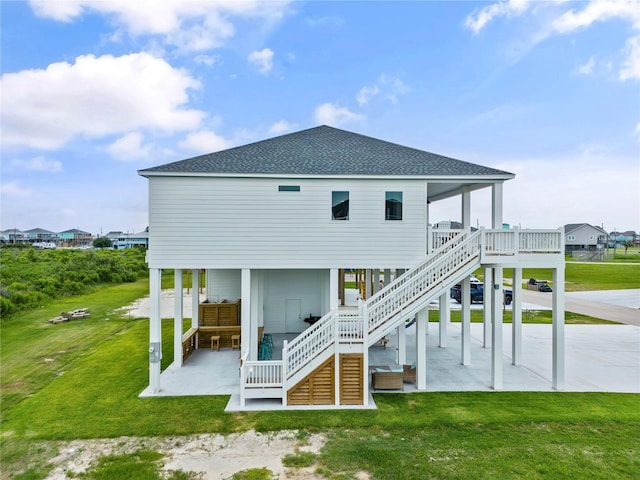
{"x": 340, "y": 205}
{"x": 393, "y": 206}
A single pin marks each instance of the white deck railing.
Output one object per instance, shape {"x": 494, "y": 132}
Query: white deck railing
{"x": 451, "y": 251}
{"x": 459, "y": 250}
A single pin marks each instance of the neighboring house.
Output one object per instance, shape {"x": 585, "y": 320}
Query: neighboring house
{"x": 75, "y": 238}
{"x": 129, "y": 240}
{"x": 14, "y": 235}
{"x": 275, "y": 224}
{"x": 582, "y": 236}
{"x": 42, "y": 236}
{"x": 618, "y": 239}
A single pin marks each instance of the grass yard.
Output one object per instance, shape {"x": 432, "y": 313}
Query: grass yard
{"x": 424, "y": 435}
{"x": 81, "y": 380}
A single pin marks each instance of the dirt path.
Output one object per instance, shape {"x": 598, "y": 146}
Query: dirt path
{"x": 214, "y": 456}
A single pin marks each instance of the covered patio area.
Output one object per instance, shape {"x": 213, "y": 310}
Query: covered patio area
{"x": 598, "y": 358}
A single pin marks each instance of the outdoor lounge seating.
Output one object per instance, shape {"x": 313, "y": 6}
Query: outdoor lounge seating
{"x": 387, "y": 379}
{"x": 409, "y": 373}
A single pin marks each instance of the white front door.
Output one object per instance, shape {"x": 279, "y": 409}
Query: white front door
{"x": 293, "y": 316}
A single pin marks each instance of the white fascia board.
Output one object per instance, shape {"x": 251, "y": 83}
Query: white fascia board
{"x": 441, "y": 179}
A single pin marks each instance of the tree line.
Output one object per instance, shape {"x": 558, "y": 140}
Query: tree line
{"x": 30, "y": 277}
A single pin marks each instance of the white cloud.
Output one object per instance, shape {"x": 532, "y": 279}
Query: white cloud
{"x": 95, "y": 96}
{"x": 193, "y": 25}
{"x": 262, "y": 60}
{"x": 208, "y": 60}
{"x": 282, "y": 126}
{"x": 587, "y": 68}
{"x": 597, "y": 10}
{"x": 204, "y": 141}
{"x": 365, "y": 94}
{"x": 332, "y": 114}
{"x": 38, "y": 164}
{"x": 388, "y": 87}
{"x": 129, "y": 147}
{"x": 630, "y": 68}
{"x": 14, "y": 189}
{"x": 479, "y": 18}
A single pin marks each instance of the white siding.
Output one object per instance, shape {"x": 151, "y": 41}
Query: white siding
{"x": 308, "y": 286}
{"x": 223, "y": 284}
{"x": 247, "y": 223}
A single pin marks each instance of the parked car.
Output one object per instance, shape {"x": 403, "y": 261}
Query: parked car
{"x": 538, "y": 285}
{"x": 477, "y": 293}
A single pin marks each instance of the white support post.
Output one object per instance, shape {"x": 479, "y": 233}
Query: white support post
{"x": 466, "y": 208}
{"x": 364, "y": 314}
{"x": 285, "y": 388}
{"x": 496, "y": 331}
{"x": 421, "y": 348}
{"x": 401, "y": 336}
{"x": 516, "y": 317}
{"x": 336, "y": 360}
{"x": 444, "y": 318}
{"x": 155, "y": 330}
{"x": 195, "y": 298}
{"x": 177, "y": 317}
{"x": 256, "y": 307}
{"x": 496, "y": 208}
{"x": 367, "y": 282}
{"x": 558, "y": 328}
{"x": 487, "y": 309}
{"x": 376, "y": 280}
{"x": 245, "y": 311}
{"x": 465, "y": 312}
{"x": 334, "y": 289}
{"x": 387, "y": 276}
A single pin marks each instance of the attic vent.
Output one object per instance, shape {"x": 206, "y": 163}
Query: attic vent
{"x": 289, "y": 188}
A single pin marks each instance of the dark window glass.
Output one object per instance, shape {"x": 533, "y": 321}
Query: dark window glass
{"x": 393, "y": 206}
{"x": 340, "y": 205}
{"x": 289, "y": 188}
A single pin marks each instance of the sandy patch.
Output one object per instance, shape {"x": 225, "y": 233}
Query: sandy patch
{"x": 215, "y": 456}
{"x": 141, "y": 308}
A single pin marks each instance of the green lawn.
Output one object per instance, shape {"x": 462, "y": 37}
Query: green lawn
{"x": 81, "y": 380}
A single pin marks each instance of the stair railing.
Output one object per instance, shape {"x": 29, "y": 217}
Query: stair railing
{"x": 437, "y": 267}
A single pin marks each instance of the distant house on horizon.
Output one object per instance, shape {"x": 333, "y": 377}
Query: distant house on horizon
{"x": 75, "y": 238}
{"x": 584, "y": 237}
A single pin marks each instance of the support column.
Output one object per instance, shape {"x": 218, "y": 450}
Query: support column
{"x": 558, "y": 328}
{"x": 465, "y": 312}
{"x": 496, "y": 331}
{"x": 445, "y": 317}
{"x": 496, "y": 209}
{"x": 245, "y": 310}
{"x": 177, "y": 317}
{"x": 466, "y": 208}
{"x": 368, "y": 289}
{"x": 487, "y": 308}
{"x": 257, "y": 280}
{"x": 195, "y": 298}
{"x": 376, "y": 280}
{"x": 421, "y": 348}
{"x": 334, "y": 289}
{"x": 401, "y": 336}
{"x": 155, "y": 329}
{"x": 387, "y": 276}
{"x": 516, "y": 317}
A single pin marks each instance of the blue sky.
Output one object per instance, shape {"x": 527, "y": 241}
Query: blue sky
{"x": 93, "y": 91}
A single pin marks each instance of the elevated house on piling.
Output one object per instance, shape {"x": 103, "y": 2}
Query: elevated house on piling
{"x": 275, "y": 224}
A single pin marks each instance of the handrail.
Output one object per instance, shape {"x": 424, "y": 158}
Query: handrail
{"x": 459, "y": 248}
{"x": 447, "y": 259}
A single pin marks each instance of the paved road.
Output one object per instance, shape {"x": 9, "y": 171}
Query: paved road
{"x": 605, "y": 311}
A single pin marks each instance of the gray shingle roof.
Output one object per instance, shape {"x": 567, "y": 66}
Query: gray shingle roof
{"x": 324, "y": 151}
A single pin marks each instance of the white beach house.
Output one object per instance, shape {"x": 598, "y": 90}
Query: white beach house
{"x": 275, "y": 224}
